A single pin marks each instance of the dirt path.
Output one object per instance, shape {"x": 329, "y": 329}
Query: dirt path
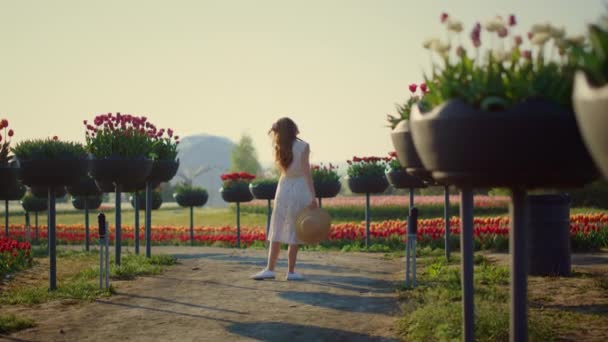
{"x": 208, "y": 297}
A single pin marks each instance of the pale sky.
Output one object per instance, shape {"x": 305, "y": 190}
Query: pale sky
{"x": 228, "y": 67}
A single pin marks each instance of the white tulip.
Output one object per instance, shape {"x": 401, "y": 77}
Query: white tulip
{"x": 541, "y": 28}
{"x": 540, "y": 38}
{"x": 494, "y": 25}
{"x": 430, "y": 43}
{"x": 578, "y": 40}
{"x": 558, "y": 32}
{"x": 454, "y": 25}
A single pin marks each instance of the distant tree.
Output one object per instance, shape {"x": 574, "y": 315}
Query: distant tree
{"x": 244, "y": 157}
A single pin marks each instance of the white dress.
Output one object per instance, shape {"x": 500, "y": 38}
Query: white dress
{"x": 292, "y": 196}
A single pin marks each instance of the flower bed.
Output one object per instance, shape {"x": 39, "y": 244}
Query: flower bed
{"x": 588, "y": 232}
{"x": 352, "y": 208}
{"x": 14, "y": 256}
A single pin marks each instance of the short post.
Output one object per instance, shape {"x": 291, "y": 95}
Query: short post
{"x": 411, "y": 198}
{"x": 446, "y": 215}
{"x": 36, "y": 223}
{"x": 107, "y": 258}
{"x": 27, "y": 226}
{"x": 192, "y": 225}
{"x": 86, "y": 223}
{"x": 117, "y": 239}
{"x": 52, "y": 241}
{"x": 410, "y": 251}
{"x": 320, "y": 202}
{"x": 148, "y": 220}
{"x": 519, "y": 266}
{"x": 466, "y": 246}
{"x": 238, "y": 224}
{"x": 136, "y": 204}
{"x": 367, "y": 220}
{"x": 101, "y": 220}
{"x": 6, "y": 218}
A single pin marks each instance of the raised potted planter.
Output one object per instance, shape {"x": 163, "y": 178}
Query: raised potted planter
{"x": 9, "y": 169}
{"x": 157, "y": 200}
{"x": 33, "y": 204}
{"x": 51, "y": 164}
{"x": 122, "y": 146}
{"x": 265, "y": 189}
{"x": 235, "y": 189}
{"x": 11, "y": 193}
{"x": 105, "y": 186}
{"x": 86, "y": 195}
{"x": 326, "y": 181}
{"x": 85, "y": 186}
{"x": 190, "y": 196}
{"x": 366, "y": 176}
{"x": 510, "y": 123}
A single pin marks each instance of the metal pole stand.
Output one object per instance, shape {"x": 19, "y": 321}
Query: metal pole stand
{"x": 192, "y": 226}
{"x": 519, "y": 266}
{"x": 446, "y": 215}
{"x": 27, "y": 226}
{"x": 367, "y": 220}
{"x": 410, "y": 249}
{"x": 86, "y": 223}
{"x": 148, "y": 220}
{"x": 136, "y": 203}
{"x": 466, "y": 248}
{"x": 6, "y": 218}
{"x": 118, "y": 238}
{"x": 52, "y": 241}
{"x": 320, "y": 202}
{"x": 36, "y": 223}
{"x": 238, "y": 224}
{"x": 104, "y": 257}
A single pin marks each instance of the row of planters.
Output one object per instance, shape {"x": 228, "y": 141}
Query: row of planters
{"x": 123, "y": 150}
{"x": 505, "y": 118}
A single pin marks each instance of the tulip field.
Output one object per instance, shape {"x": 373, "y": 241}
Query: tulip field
{"x": 588, "y": 232}
{"x": 14, "y": 255}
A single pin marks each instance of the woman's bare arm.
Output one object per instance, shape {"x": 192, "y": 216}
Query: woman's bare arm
{"x": 308, "y": 174}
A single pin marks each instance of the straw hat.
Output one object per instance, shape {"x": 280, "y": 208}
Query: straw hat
{"x": 312, "y": 225}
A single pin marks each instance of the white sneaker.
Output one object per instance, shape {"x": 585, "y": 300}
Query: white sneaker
{"x": 263, "y": 274}
{"x": 294, "y": 276}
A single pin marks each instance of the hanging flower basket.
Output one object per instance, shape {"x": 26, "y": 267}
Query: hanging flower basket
{"x": 121, "y": 170}
{"x": 105, "y": 186}
{"x": 264, "y": 189}
{"x": 327, "y": 188}
{"x": 157, "y": 200}
{"x": 192, "y": 199}
{"x": 368, "y": 184}
{"x": 403, "y": 180}
{"x": 163, "y": 170}
{"x": 532, "y": 144}
{"x": 93, "y": 202}
{"x": 86, "y": 186}
{"x": 32, "y": 204}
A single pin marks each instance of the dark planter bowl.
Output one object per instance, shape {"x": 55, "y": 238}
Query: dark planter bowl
{"x": 133, "y": 187}
{"x": 105, "y": 186}
{"x": 34, "y": 204}
{"x": 13, "y": 193}
{"x": 404, "y": 146}
{"x": 157, "y": 201}
{"x": 531, "y": 144}
{"x": 84, "y": 187}
{"x": 121, "y": 170}
{"x": 368, "y": 184}
{"x": 263, "y": 191}
{"x": 93, "y": 202}
{"x": 192, "y": 199}
{"x": 43, "y": 191}
{"x": 592, "y": 117}
{"x": 236, "y": 193}
{"x": 327, "y": 189}
{"x": 53, "y": 172}
{"x": 163, "y": 170}
{"x": 9, "y": 176}
{"x": 403, "y": 180}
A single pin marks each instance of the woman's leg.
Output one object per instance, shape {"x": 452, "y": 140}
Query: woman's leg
{"x": 273, "y": 254}
{"x": 293, "y": 254}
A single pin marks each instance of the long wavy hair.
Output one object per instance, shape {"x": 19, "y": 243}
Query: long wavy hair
{"x": 284, "y": 132}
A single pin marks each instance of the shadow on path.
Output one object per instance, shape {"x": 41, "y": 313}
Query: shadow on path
{"x": 276, "y": 331}
{"x": 379, "y": 305}
{"x": 181, "y": 303}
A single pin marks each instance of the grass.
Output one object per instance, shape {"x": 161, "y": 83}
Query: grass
{"x": 79, "y": 278}
{"x": 433, "y": 308}
{"x": 12, "y": 323}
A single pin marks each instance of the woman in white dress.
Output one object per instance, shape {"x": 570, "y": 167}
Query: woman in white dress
{"x": 294, "y": 192}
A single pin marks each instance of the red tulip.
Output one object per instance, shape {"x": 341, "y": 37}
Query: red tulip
{"x": 10, "y": 133}
{"x": 55, "y": 138}
{"x": 3, "y": 123}
{"x": 423, "y": 88}
{"x": 413, "y": 87}
{"x": 444, "y": 17}
{"x": 512, "y": 20}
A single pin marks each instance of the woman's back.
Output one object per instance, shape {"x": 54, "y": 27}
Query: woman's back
{"x": 295, "y": 168}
